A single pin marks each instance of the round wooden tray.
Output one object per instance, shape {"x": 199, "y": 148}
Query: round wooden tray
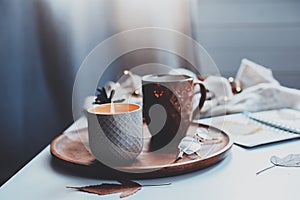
{"x": 73, "y": 147}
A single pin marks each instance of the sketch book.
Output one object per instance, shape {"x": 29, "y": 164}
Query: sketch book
{"x": 250, "y": 133}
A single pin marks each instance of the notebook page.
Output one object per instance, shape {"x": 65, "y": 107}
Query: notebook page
{"x": 249, "y": 133}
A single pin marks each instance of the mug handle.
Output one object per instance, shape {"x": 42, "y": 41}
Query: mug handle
{"x": 202, "y": 98}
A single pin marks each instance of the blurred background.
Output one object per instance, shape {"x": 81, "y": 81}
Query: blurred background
{"x": 44, "y": 42}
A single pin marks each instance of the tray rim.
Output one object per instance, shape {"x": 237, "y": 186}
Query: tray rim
{"x": 169, "y": 168}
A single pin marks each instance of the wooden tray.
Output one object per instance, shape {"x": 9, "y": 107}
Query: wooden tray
{"x": 73, "y": 147}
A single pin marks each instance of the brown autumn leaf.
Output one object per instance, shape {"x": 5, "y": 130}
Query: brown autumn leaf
{"x": 126, "y": 188}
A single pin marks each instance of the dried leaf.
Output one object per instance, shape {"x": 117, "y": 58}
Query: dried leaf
{"x": 126, "y": 188}
{"x": 291, "y": 160}
{"x": 189, "y": 145}
{"x": 129, "y": 192}
{"x": 132, "y": 187}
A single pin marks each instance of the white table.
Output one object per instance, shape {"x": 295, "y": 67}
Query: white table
{"x": 233, "y": 178}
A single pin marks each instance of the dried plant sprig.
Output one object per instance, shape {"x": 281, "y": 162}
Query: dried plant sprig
{"x": 102, "y": 96}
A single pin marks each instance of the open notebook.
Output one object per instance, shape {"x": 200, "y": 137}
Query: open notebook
{"x": 249, "y": 133}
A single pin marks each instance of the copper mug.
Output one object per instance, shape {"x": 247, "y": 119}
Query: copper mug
{"x": 168, "y": 107}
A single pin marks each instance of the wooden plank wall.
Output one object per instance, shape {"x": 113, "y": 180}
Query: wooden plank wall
{"x": 265, "y": 31}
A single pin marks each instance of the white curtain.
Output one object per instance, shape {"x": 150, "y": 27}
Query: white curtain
{"x": 84, "y": 24}
{"x": 43, "y": 43}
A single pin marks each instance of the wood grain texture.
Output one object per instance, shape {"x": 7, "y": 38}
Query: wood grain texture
{"x": 148, "y": 164}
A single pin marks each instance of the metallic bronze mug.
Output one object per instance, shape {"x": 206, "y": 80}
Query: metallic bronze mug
{"x": 168, "y": 107}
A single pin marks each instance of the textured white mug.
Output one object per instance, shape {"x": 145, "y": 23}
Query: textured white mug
{"x": 115, "y": 138}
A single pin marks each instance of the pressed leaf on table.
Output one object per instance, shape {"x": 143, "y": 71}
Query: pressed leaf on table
{"x": 126, "y": 188}
{"x": 291, "y": 160}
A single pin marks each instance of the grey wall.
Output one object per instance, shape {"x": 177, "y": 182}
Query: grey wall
{"x": 265, "y": 31}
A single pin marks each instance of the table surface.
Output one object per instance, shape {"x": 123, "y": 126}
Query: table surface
{"x": 232, "y": 178}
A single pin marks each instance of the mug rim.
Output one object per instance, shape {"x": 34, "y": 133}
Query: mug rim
{"x": 90, "y": 110}
{"x": 185, "y": 78}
